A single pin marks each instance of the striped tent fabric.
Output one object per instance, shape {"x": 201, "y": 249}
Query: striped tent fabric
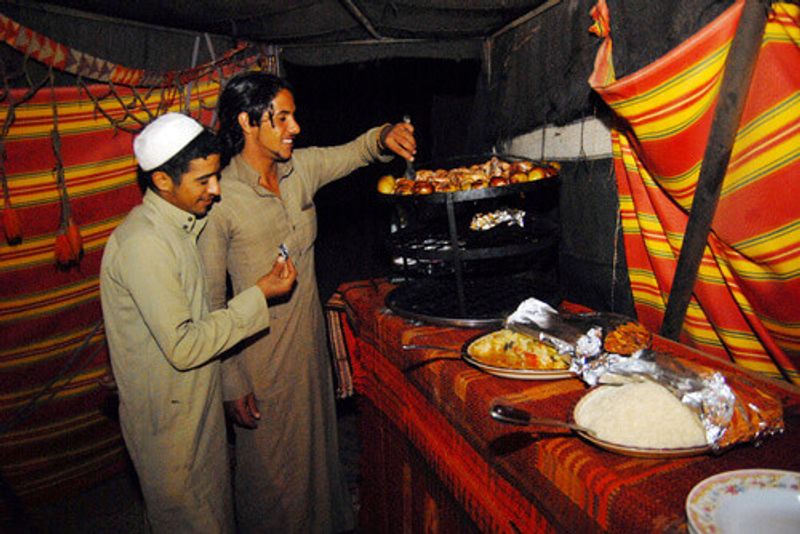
{"x": 54, "y": 436}
{"x": 746, "y": 301}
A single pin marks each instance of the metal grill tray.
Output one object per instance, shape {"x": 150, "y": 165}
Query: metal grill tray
{"x": 486, "y": 304}
{"x": 508, "y": 266}
{"x": 434, "y": 243}
{"x": 545, "y": 185}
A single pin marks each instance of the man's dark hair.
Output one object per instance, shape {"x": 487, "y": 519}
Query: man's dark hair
{"x": 202, "y": 146}
{"x": 251, "y": 92}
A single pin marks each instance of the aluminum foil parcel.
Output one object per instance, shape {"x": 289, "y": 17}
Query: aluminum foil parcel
{"x": 731, "y": 408}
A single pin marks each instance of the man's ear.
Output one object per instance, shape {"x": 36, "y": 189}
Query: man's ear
{"x": 163, "y": 182}
{"x": 244, "y": 122}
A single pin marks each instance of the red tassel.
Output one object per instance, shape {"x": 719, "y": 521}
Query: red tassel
{"x": 12, "y": 227}
{"x": 75, "y": 239}
{"x": 63, "y": 250}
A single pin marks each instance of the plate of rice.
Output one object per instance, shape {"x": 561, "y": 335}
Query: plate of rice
{"x": 641, "y": 419}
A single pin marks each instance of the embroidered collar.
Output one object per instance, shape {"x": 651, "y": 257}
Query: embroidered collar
{"x": 185, "y": 221}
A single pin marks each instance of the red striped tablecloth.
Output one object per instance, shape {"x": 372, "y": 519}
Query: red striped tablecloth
{"x": 509, "y": 480}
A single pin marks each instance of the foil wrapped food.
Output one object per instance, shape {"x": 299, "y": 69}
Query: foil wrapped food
{"x": 731, "y": 408}
{"x": 487, "y": 221}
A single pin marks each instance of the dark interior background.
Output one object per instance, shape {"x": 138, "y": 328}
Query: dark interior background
{"x": 337, "y": 103}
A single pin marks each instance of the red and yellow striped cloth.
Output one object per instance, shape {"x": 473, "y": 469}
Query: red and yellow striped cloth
{"x": 58, "y": 440}
{"x": 746, "y": 302}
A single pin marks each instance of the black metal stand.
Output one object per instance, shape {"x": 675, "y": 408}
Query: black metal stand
{"x": 459, "y": 277}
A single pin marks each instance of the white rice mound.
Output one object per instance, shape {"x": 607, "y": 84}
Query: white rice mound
{"x": 642, "y": 415}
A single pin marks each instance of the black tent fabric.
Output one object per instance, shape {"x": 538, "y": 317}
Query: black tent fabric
{"x": 536, "y": 54}
{"x": 538, "y": 74}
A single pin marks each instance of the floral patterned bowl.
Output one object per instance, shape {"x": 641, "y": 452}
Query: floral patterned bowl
{"x": 766, "y": 501}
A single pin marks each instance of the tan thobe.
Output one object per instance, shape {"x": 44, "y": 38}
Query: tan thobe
{"x": 288, "y": 476}
{"x": 162, "y": 339}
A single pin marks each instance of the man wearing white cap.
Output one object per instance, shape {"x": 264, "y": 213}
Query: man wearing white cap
{"x": 164, "y": 341}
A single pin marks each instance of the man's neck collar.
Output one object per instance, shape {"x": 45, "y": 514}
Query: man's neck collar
{"x": 188, "y": 221}
{"x": 263, "y": 165}
{"x": 278, "y": 169}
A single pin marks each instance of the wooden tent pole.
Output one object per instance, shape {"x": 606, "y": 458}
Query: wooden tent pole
{"x": 363, "y": 19}
{"x": 730, "y": 104}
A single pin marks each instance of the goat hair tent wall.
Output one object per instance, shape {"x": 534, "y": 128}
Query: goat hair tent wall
{"x": 69, "y": 178}
{"x": 746, "y": 301}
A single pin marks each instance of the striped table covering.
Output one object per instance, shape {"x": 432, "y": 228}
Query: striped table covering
{"x": 509, "y": 480}
{"x": 745, "y": 303}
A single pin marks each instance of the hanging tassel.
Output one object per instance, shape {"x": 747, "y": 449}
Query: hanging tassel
{"x": 69, "y": 243}
{"x": 63, "y": 250}
{"x": 75, "y": 239}
{"x": 12, "y": 227}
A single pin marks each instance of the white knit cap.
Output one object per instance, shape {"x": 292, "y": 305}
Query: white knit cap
{"x": 163, "y": 138}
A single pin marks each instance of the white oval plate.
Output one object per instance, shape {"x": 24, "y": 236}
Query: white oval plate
{"x": 763, "y": 501}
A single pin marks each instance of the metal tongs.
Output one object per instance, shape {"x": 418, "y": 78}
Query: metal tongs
{"x": 411, "y": 174}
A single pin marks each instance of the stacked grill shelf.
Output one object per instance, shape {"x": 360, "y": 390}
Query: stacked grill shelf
{"x": 455, "y": 276}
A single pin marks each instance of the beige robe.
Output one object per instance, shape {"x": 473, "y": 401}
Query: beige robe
{"x": 162, "y": 340}
{"x": 288, "y": 476}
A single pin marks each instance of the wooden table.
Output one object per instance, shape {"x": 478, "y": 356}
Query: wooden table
{"x": 434, "y": 460}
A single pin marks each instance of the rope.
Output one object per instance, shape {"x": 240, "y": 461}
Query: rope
{"x": 25, "y": 411}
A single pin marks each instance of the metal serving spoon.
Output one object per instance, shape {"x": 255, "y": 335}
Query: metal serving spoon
{"x": 515, "y": 416}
